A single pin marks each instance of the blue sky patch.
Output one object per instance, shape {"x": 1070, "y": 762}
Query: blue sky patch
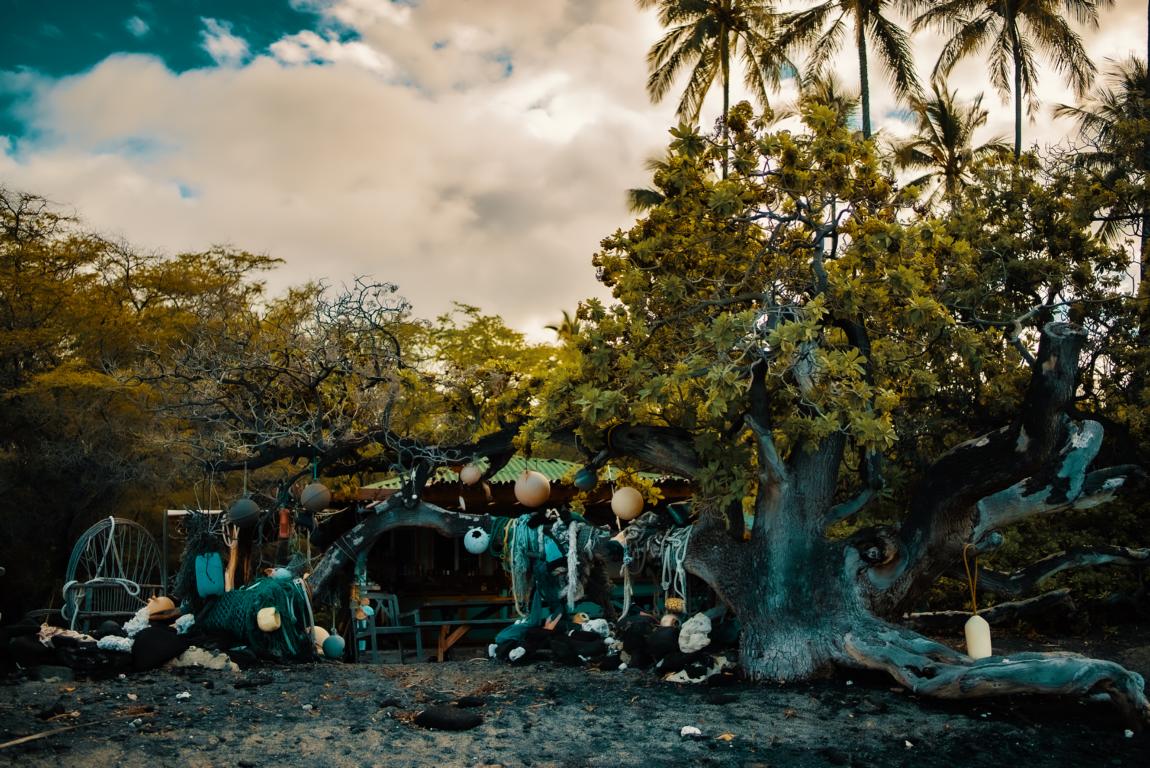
{"x": 57, "y": 38}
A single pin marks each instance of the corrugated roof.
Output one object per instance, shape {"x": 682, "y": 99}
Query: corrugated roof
{"x": 552, "y": 469}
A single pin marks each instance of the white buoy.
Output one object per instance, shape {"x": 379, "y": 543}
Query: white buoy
{"x": 977, "y": 637}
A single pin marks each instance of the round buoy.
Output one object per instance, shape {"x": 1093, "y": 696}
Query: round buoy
{"x": 268, "y": 619}
{"x": 532, "y": 489}
{"x": 586, "y": 479}
{"x": 315, "y": 497}
{"x": 470, "y": 474}
{"x": 476, "y": 541}
{"x": 282, "y": 574}
{"x": 626, "y": 503}
{"x": 244, "y": 513}
{"x": 160, "y": 604}
{"x": 333, "y": 647}
{"x": 318, "y": 636}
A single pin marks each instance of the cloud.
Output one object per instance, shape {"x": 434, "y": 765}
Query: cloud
{"x": 391, "y": 140}
{"x": 226, "y": 49}
{"x": 137, "y": 26}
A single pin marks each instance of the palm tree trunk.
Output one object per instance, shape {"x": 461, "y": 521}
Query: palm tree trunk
{"x": 1016, "y": 50}
{"x": 725, "y": 56}
{"x": 864, "y": 77}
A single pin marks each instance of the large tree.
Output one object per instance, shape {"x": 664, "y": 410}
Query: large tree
{"x": 774, "y": 333}
{"x": 1014, "y": 30}
{"x": 823, "y": 28}
{"x": 77, "y": 439}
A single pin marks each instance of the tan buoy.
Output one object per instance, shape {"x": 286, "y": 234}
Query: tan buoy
{"x": 976, "y": 629}
{"x": 977, "y": 637}
{"x": 470, "y": 474}
{"x": 626, "y": 503}
{"x": 318, "y": 635}
{"x": 268, "y": 619}
{"x": 532, "y": 488}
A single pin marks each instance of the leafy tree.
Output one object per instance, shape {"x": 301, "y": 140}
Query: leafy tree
{"x": 78, "y": 440}
{"x": 774, "y": 333}
{"x": 1013, "y": 30}
{"x": 943, "y": 146}
{"x": 823, "y": 27}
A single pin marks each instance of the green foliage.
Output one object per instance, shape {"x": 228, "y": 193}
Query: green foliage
{"x": 806, "y": 244}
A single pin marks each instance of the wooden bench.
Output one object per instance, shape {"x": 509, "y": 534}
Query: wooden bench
{"x": 453, "y": 628}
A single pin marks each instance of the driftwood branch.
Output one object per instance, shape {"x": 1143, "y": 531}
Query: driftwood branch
{"x": 1057, "y": 602}
{"x": 931, "y": 669}
{"x": 1027, "y": 580}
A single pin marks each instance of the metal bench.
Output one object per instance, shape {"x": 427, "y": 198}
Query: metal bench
{"x": 113, "y": 570}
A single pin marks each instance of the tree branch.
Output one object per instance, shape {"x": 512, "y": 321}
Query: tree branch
{"x": 1027, "y": 580}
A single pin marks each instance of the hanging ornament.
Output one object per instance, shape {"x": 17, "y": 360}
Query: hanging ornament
{"x": 476, "y": 541}
{"x": 586, "y": 479}
{"x": 315, "y": 497}
{"x": 626, "y": 503}
{"x": 244, "y": 513}
{"x": 470, "y": 474}
{"x": 532, "y": 489}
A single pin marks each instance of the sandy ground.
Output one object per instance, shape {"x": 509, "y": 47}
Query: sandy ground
{"x": 333, "y": 715}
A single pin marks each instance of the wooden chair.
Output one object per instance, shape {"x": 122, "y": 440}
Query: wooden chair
{"x": 113, "y": 570}
{"x": 388, "y": 622}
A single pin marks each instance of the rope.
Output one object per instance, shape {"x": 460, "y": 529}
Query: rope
{"x": 674, "y": 574}
{"x": 971, "y": 580}
{"x": 572, "y": 564}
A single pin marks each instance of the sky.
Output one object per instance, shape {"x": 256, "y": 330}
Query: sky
{"x": 468, "y": 150}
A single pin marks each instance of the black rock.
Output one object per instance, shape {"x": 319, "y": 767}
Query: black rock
{"x": 663, "y": 641}
{"x": 448, "y": 719}
{"x": 469, "y": 702}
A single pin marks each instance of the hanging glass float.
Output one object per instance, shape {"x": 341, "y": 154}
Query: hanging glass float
{"x": 244, "y": 513}
{"x": 626, "y": 503}
{"x": 315, "y": 497}
{"x": 333, "y": 647}
{"x": 586, "y": 479}
{"x": 470, "y": 474}
{"x": 532, "y": 488}
{"x": 476, "y": 541}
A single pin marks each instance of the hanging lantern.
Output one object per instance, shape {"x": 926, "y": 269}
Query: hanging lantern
{"x": 532, "y": 489}
{"x": 268, "y": 619}
{"x": 626, "y": 503}
{"x": 333, "y": 647}
{"x": 476, "y": 541}
{"x": 244, "y": 513}
{"x": 315, "y": 497}
{"x": 977, "y": 637}
{"x": 470, "y": 474}
{"x": 586, "y": 479}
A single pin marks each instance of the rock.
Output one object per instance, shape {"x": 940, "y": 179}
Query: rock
{"x": 469, "y": 702}
{"x": 49, "y": 673}
{"x": 448, "y": 719}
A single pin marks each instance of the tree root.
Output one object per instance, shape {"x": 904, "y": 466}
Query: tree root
{"x": 932, "y": 669}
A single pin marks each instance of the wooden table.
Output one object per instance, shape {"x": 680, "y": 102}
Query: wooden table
{"x": 455, "y": 617}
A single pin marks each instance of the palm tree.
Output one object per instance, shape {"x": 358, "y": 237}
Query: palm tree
{"x": 821, "y": 29}
{"x": 1111, "y": 121}
{"x": 943, "y": 145}
{"x": 706, "y": 35}
{"x": 1013, "y": 29}
{"x": 827, "y": 91}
